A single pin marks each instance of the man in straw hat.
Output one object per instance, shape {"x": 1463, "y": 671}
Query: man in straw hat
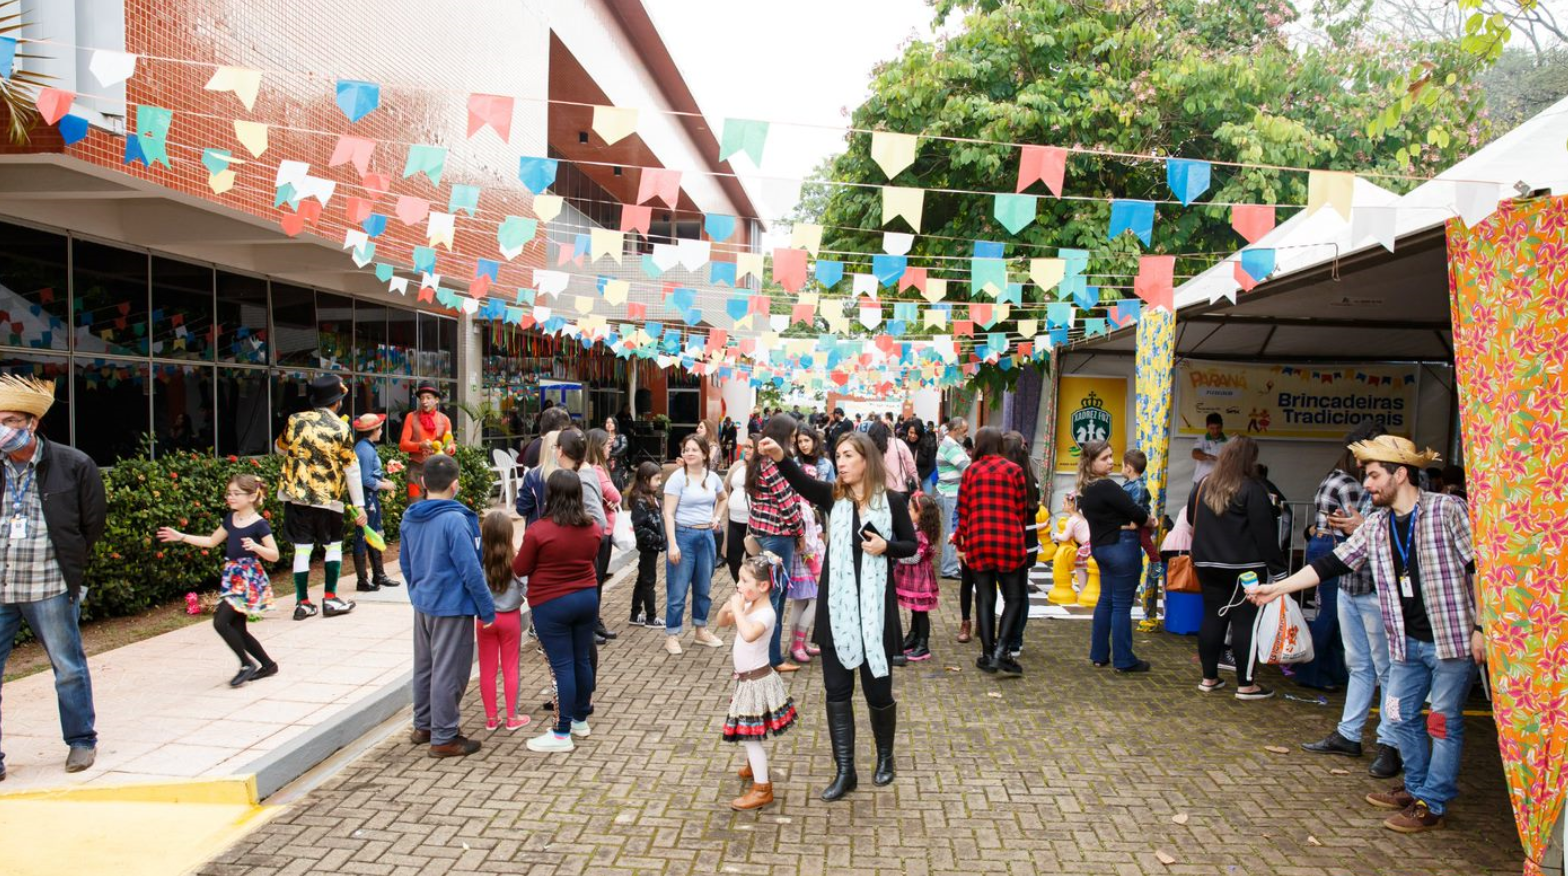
{"x": 368, "y": 426}
{"x": 319, "y": 465}
{"x": 1418, "y": 547}
{"x": 44, "y": 549}
{"x": 426, "y": 432}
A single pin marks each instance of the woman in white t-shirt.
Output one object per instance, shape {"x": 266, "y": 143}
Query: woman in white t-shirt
{"x": 740, "y": 511}
{"x": 694, "y": 509}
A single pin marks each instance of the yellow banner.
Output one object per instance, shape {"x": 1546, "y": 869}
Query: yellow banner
{"x": 1290, "y": 401}
{"x": 1090, "y": 409}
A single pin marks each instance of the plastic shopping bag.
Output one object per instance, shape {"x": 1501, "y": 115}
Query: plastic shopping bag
{"x": 1280, "y": 634}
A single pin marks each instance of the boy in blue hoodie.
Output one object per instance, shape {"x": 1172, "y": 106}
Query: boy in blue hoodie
{"x": 446, "y": 584}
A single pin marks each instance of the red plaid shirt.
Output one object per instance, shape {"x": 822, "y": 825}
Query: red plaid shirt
{"x": 775, "y": 509}
{"x": 991, "y": 515}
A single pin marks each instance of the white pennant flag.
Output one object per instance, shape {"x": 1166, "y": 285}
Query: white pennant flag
{"x": 1378, "y": 223}
{"x": 1475, "y": 201}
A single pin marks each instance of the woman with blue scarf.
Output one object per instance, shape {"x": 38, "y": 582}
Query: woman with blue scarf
{"x": 857, "y": 624}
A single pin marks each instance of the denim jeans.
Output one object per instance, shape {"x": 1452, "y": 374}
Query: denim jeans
{"x": 783, "y": 546}
{"x": 1431, "y": 772}
{"x": 53, "y": 621}
{"x": 1111, "y": 635}
{"x": 949, "y": 523}
{"x": 1327, "y": 667}
{"x": 694, "y": 573}
{"x": 1366, "y": 656}
{"x": 565, "y": 628}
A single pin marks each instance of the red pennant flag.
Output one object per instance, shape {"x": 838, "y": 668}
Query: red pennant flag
{"x": 657, "y": 182}
{"x": 716, "y": 339}
{"x": 980, "y": 312}
{"x": 789, "y": 268}
{"x": 963, "y": 328}
{"x": 634, "y": 218}
{"x": 490, "y": 109}
{"x": 1243, "y": 278}
{"x": 915, "y": 277}
{"x": 1155, "y": 282}
{"x": 1045, "y": 163}
{"x": 1252, "y": 221}
{"x": 761, "y": 305}
{"x": 480, "y": 287}
{"x": 636, "y": 310}
{"x": 427, "y": 294}
{"x": 805, "y": 313}
{"x": 358, "y": 209}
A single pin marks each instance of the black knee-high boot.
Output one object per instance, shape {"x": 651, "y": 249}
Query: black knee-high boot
{"x": 884, "y": 723}
{"x": 378, "y": 570}
{"x": 841, "y": 733}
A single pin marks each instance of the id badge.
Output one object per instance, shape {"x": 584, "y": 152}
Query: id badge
{"x": 1405, "y": 589}
{"x": 18, "y": 527}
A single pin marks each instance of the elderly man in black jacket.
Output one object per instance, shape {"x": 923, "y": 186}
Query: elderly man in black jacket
{"x": 54, "y": 512}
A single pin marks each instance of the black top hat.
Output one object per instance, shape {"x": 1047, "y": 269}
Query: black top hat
{"x": 326, "y": 390}
{"x": 427, "y": 388}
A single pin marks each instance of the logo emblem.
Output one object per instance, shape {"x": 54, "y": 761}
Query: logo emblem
{"x": 1091, "y": 422}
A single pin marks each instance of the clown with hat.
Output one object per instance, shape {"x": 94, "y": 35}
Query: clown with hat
{"x": 426, "y": 432}
{"x": 368, "y": 426}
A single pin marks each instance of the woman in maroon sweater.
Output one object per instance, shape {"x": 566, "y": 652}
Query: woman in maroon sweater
{"x": 557, "y": 557}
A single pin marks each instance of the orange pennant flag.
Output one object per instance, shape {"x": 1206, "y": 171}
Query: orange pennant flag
{"x": 1252, "y": 221}
{"x": 1045, "y": 163}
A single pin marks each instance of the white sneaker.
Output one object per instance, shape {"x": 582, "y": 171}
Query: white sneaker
{"x": 581, "y": 729}
{"x": 551, "y": 742}
{"x": 703, "y": 637}
{"x": 672, "y": 644}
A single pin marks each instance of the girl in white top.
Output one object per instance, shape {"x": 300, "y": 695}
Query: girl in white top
{"x": 760, "y": 706}
{"x": 694, "y": 510}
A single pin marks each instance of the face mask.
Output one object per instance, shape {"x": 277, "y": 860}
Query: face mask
{"x": 12, "y": 440}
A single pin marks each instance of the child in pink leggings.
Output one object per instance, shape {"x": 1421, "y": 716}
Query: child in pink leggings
{"x": 500, "y": 643}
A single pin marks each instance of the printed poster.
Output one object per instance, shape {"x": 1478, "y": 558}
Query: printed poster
{"x": 1090, "y": 409}
{"x": 1291, "y": 401}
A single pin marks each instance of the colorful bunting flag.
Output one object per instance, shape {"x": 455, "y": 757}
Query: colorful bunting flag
{"x": 490, "y": 109}
{"x": 1047, "y": 164}
{"x": 614, "y": 123}
{"x": 1134, "y": 216}
{"x": 1252, "y": 221}
{"x": 537, "y": 174}
{"x": 1155, "y": 282}
{"x": 905, "y": 202}
{"x": 893, "y": 152}
{"x": 1187, "y": 178}
{"x": 357, "y": 99}
{"x": 743, "y": 135}
{"x": 1014, "y": 212}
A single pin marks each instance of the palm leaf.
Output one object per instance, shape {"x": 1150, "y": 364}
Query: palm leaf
{"x": 18, "y": 93}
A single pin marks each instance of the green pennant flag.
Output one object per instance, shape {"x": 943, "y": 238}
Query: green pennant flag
{"x": 1015, "y": 212}
{"x": 743, "y": 135}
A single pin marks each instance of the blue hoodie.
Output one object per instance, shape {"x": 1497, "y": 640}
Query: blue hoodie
{"x": 439, "y": 553}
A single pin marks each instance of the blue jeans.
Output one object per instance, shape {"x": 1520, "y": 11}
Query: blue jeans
{"x": 1327, "y": 668}
{"x": 949, "y": 523}
{"x": 782, "y": 546}
{"x": 1111, "y": 635}
{"x": 53, "y": 621}
{"x": 1431, "y": 772}
{"x": 693, "y": 573}
{"x": 1366, "y": 656}
{"x": 372, "y": 520}
{"x": 565, "y": 629}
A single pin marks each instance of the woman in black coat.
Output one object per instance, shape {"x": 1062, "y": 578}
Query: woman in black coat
{"x": 868, "y": 526}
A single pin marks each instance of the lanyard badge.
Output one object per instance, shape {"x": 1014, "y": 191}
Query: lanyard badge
{"x": 1406, "y": 589}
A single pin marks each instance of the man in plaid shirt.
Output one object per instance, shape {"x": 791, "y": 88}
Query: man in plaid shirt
{"x": 990, "y": 540}
{"x": 1419, "y": 550}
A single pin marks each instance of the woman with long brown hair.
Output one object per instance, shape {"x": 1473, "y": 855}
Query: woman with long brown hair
{"x": 694, "y": 508}
{"x": 1114, "y": 519}
{"x": 990, "y": 539}
{"x": 1234, "y": 532}
{"x": 1016, "y": 448}
{"x": 857, "y": 625}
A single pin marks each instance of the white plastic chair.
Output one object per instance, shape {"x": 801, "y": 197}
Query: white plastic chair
{"x": 505, "y": 469}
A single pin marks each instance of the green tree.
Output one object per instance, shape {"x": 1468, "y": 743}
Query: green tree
{"x": 1185, "y": 78}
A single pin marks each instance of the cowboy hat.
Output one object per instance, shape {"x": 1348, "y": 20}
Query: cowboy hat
{"x": 29, "y": 395}
{"x": 369, "y": 422}
{"x": 1393, "y": 449}
{"x": 425, "y": 388}
{"x": 326, "y": 390}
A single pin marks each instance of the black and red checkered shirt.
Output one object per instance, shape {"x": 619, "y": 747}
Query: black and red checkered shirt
{"x": 775, "y": 509}
{"x": 991, "y": 515}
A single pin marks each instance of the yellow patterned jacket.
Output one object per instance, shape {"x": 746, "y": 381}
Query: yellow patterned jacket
{"x": 318, "y": 448}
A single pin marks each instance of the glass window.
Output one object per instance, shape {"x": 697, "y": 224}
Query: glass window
{"x": 110, "y": 393}
{"x": 181, "y": 310}
{"x": 56, "y": 425}
{"x": 370, "y": 336}
{"x": 294, "y": 338}
{"x": 368, "y": 395}
{"x": 182, "y": 408}
{"x": 242, "y": 319}
{"x": 402, "y": 340}
{"x": 34, "y": 288}
{"x": 290, "y": 395}
{"x": 111, "y": 300}
{"x": 437, "y": 346}
{"x": 244, "y": 423}
{"x": 335, "y": 319}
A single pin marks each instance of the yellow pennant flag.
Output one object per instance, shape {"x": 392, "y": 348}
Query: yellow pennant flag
{"x": 1028, "y": 327}
{"x": 893, "y": 152}
{"x": 221, "y": 181}
{"x": 615, "y": 291}
{"x": 935, "y": 290}
{"x": 1333, "y": 188}
{"x": 935, "y": 318}
{"x": 1001, "y": 312}
{"x": 748, "y": 263}
{"x": 1046, "y": 273}
{"x": 603, "y": 242}
{"x": 584, "y": 303}
{"x": 614, "y": 123}
{"x": 252, "y": 135}
{"x": 547, "y": 207}
{"x": 908, "y": 203}
{"x": 806, "y": 237}
{"x": 244, "y": 83}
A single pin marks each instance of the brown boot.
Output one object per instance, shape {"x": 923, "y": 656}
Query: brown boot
{"x": 745, "y": 770}
{"x": 461, "y": 746}
{"x": 760, "y": 795}
{"x": 1396, "y": 798}
{"x": 419, "y": 737}
{"x": 964, "y": 631}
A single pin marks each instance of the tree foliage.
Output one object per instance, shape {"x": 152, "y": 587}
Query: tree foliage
{"x": 1184, "y": 78}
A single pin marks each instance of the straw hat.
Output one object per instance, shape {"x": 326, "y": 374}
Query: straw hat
{"x": 29, "y": 395}
{"x": 1393, "y": 449}
{"x": 369, "y": 422}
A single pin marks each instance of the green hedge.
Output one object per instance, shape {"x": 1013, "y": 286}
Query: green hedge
{"x": 132, "y": 571}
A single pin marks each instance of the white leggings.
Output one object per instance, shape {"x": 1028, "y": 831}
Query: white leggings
{"x": 799, "y": 610}
{"x": 758, "y": 758}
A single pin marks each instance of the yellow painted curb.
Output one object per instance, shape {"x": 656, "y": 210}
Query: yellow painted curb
{"x": 227, "y": 791}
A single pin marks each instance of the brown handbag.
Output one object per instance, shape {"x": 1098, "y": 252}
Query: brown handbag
{"x": 1180, "y": 576}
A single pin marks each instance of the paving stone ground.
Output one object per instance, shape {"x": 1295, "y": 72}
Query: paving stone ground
{"x": 1069, "y": 770}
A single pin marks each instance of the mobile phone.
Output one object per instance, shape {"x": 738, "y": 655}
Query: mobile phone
{"x": 867, "y": 531}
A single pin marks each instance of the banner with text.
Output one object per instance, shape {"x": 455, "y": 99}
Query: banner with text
{"x": 1090, "y": 409}
{"x": 1288, "y": 401}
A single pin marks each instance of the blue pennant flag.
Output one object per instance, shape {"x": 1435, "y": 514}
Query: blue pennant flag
{"x": 374, "y": 225}
{"x": 829, "y": 273}
{"x": 1087, "y": 297}
{"x": 1188, "y": 179}
{"x": 73, "y": 129}
{"x": 425, "y": 259}
{"x": 1077, "y": 261}
{"x": 383, "y": 272}
{"x": 988, "y": 249}
{"x": 1258, "y": 263}
{"x": 487, "y": 268}
{"x": 358, "y": 99}
{"x": 1134, "y": 216}
{"x": 888, "y": 268}
{"x": 719, "y": 226}
{"x": 721, "y": 272}
{"x": 537, "y": 174}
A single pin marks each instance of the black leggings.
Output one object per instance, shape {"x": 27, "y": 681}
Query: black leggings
{"x": 920, "y": 625}
{"x": 966, "y": 590}
{"x": 735, "y": 548}
{"x": 1012, "y": 586}
{"x": 647, "y": 574}
{"x": 838, "y": 683}
{"x": 601, "y": 565}
{"x": 230, "y": 624}
{"x": 1219, "y": 589}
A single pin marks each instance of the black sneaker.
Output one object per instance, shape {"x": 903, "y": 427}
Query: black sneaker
{"x": 332, "y": 606}
{"x": 1140, "y": 666}
{"x": 246, "y": 673}
{"x": 1009, "y": 666}
{"x": 1334, "y": 743}
{"x": 985, "y": 664}
{"x": 1388, "y": 763}
{"x": 267, "y": 671}
{"x": 600, "y": 631}
{"x": 303, "y": 610}
{"x": 1228, "y": 660}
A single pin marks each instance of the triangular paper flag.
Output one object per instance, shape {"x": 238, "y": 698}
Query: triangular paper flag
{"x": 1378, "y": 223}
{"x": 789, "y": 269}
{"x": 893, "y": 152}
{"x": 1127, "y": 312}
{"x": 1187, "y": 179}
{"x": 1243, "y": 279}
{"x": 614, "y": 123}
{"x": 807, "y": 237}
{"x": 1015, "y": 212}
{"x": 353, "y": 149}
{"x": 657, "y": 182}
{"x": 615, "y": 291}
{"x": 428, "y": 160}
{"x": 743, "y": 135}
{"x": 244, "y": 83}
{"x": 53, "y": 103}
{"x": 221, "y": 181}
{"x": 550, "y": 282}
{"x": 1045, "y": 163}
{"x": 863, "y": 284}
{"x": 634, "y": 218}
{"x": 1252, "y": 221}
{"x": 537, "y": 174}
{"x": 694, "y": 253}
{"x": 936, "y": 290}
{"x": 718, "y": 226}
{"x": 463, "y": 198}
{"x": 905, "y": 202}
{"x": 442, "y": 229}
{"x": 828, "y": 273}
{"x": 1258, "y": 263}
{"x": 748, "y": 264}
{"x": 1332, "y": 188}
{"x": 897, "y": 242}
{"x": 547, "y": 207}
{"x": 1046, "y": 273}
{"x": 490, "y": 109}
{"x": 1155, "y": 281}
{"x": 358, "y": 99}
{"x": 111, "y": 68}
{"x": 935, "y": 317}
{"x": 411, "y": 211}
{"x": 1134, "y": 216}
{"x": 1475, "y": 201}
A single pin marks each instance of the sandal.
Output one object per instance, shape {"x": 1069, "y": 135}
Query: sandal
{"x": 1205, "y": 687}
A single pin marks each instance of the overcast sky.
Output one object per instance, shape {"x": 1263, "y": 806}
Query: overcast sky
{"x": 800, "y": 61}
